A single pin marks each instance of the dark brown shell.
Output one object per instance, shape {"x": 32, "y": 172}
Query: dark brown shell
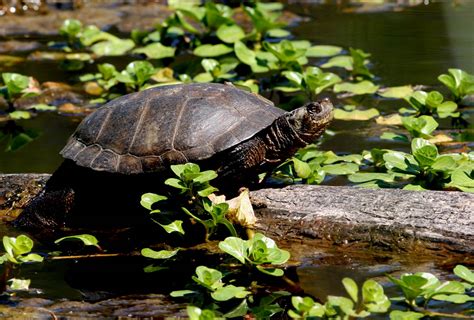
{"x": 148, "y": 130}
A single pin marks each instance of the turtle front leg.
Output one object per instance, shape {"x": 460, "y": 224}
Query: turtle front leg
{"x": 47, "y": 212}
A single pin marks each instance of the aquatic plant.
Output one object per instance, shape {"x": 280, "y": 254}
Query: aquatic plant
{"x": 194, "y": 185}
{"x": 423, "y": 168}
{"x": 459, "y": 82}
{"x": 418, "y": 290}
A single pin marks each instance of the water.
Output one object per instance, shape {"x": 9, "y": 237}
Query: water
{"x": 413, "y": 46}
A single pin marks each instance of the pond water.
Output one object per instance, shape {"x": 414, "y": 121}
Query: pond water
{"x": 412, "y": 46}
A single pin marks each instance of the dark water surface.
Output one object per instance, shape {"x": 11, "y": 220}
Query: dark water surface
{"x": 412, "y": 46}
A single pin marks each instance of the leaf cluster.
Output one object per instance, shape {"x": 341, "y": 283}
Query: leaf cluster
{"x": 18, "y": 250}
{"x": 194, "y": 185}
{"x": 371, "y": 300}
{"x": 258, "y": 251}
{"x": 423, "y": 168}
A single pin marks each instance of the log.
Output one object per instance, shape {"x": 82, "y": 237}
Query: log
{"x": 391, "y": 219}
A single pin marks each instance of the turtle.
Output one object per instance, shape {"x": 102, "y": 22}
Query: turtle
{"x": 119, "y": 151}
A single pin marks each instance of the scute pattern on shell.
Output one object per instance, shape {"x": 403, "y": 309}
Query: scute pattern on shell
{"x": 151, "y": 129}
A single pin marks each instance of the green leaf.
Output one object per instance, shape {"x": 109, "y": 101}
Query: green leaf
{"x": 229, "y": 292}
{"x": 275, "y": 272}
{"x": 424, "y": 151}
{"x": 394, "y": 137}
{"x": 209, "y": 50}
{"x": 70, "y": 27}
{"x": 306, "y": 306}
{"x": 293, "y": 76}
{"x": 208, "y": 277}
{"x": 236, "y": 247}
{"x": 87, "y": 239}
{"x": 230, "y": 33}
{"x": 334, "y": 304}
{"x": 19, "y": 284}
{"x": 107, "y": 70}
{"x": 322, "y": 51}
{"x": 32, "y": 257}
{"x": 18, "y": 115}
{"x": 205, "y": 176}
{"x": 340, "y": 168}
{"x": 181, "y": 293}
{"x": 447, "y": 109}
{"x": 162, "y": 254}
{"x": 278, "y": 33}
{"x": 421, "y": 126}
{"x": 374, "y": 298}
{"x": 175, "y": 226}
{"x": 302, "y": 168}
{"x": 462, "y": 178}
{"x": 117, "y": 47}
{"x": 363, "y": 87}
{"x": 405, "y": 315}
{"x": 207, "y": 191}
{"x": 454, "y": 298}
{"x": 15, "y": 82}
{"x": 152, "y": 268}
{"x": 444, "y": 163}
{"x": 360, "y": 177}
{"x": 148, "y": 199}
{"x": 396, "y": 92}
{"x": 433, "y": 99}
{"x": 156, "y": 51}
{"x": 176, "y": 183}
{"x": 286, "y": 51}
{"x": 401, "y": 161}
{"x": 464, "y": 273}
{"x": 351, "y": 288}
{"x": 42, "y": 107}
{"x": 359, "y": 115}
{"x": 240, "y": 311}
{"x": 339, "y": 61}
{"x": 244, "y": 54}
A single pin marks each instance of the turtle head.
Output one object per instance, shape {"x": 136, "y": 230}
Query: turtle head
{"x": 310, "y": 120}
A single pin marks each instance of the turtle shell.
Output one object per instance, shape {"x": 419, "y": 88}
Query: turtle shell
{"x": 149, "y": 130}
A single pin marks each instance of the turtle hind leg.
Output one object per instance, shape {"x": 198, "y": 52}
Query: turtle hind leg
{"x": 46, "y": 213}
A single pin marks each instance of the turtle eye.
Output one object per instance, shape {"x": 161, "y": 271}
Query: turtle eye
{"x": 314, "y": 107}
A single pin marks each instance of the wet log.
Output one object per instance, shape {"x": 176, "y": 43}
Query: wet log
{"x": 392, "y": 218}
{"x": 388, "y": 218}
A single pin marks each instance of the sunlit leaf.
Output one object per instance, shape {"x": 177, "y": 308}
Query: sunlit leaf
{"x": 162, "y": 254}
{"x": 230, "y": 33}
{"x": 209, "y": 50}
{"x": 321, "y": 51}
{"x": 19, "y": 284}
{"x": 87, "y": 239}
{"x": 351, "y": 288}
{"x": 464, "y": 273}
{"x": 360, "y": 115}
{"x": 229, "y": 292}
{"x": 148, "y": 199}
{"x": 156, "y": 51}
{"x": 396, "y": 92}
{"x": 363, "y": 87}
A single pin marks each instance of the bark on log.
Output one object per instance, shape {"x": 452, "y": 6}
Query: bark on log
{"x": 392, "y": 218}
{"x": 388, "y": 218}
